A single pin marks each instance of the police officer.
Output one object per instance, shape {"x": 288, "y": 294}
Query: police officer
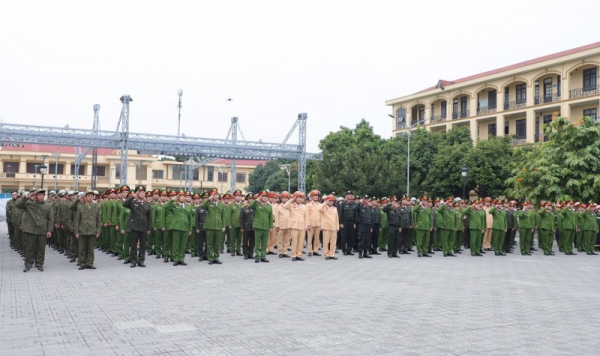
{"x": 200, "y": 232}
{"x": 214, "y": 225}
{"x": 246, "y": 220}
{"x": 347, "y": 222}
{"x": 38, "y": 221}
{"x": 86, "y": 227}
{"x": 364, "y": 223}
{"x": 140, "y": 223}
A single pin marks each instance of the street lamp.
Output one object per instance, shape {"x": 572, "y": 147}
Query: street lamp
{"x": 409, "y": 133}
{"x": 43, "y": 173}
{"x": 464, "y": 171}
{"x": 287, "y": 169}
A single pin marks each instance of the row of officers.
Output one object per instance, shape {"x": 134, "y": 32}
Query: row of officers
{"x": 129, "y": 225}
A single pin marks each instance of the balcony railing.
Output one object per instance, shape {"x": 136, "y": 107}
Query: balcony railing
{"x": 519, "y": 141}
{"x": 549, "y": 98}
{"x": 460, "y": 114}
{"x": 437, "y": 118}
{"x": 420, "y": 122}
{"x": 584, "y": 91}
{"x": 484, "y": 110}
{"x": 514, "y": 105}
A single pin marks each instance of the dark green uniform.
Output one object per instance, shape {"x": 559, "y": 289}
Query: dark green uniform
{"x": 181, "y": 225}
{"x": 234, "y": 238}
{"x": 477, "y": 225}
{"x": 527, "y": 223}
{"x": 126, "y": 233}
{"x": 87, "y": 223}
{"x": 11, "y": 229}
{"x": 568, "y": 225}
{"x": 499, "y": 228}
{"x": 446, "y": 225}
{"x": 214, "y": 228}
{"x": 383, "y": 233}
{"x": 38, "y": 221}
{"x": 547, "y": 228}
{"x": 422, "y": 222}
{"x": 262, "y": 224}
{"x": 158, "y": 222}
{"x": 589, "y": 226}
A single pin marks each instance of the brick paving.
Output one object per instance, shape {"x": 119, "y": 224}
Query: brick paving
{"x": 512, "y": 305}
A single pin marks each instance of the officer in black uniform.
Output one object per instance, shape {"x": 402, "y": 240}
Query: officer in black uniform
{"x": 201, "y": 233}
{"x": 140, "y": 224}
{"x": 347, "y": 222}
{"x": 246, "y": 220}
{"x": 364, "y": 223}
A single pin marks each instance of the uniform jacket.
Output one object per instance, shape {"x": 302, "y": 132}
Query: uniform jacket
{"x": 345, "y": 212}
{"x": 263, "y": 215}
{"x": 282, "y": 217}
{"x": 313, "y": 215}
{"x": 233, "y": 212}
{"x": 499, "y": 222}
{"x": 141, "y": 215}
{"x": 298, "y": 215}
{"x": 476, "y": 218}
{"x": 246, "y": 218}
{"x": 364, "y": 217}
{"x": 421, "y": 218}
{"x": 87, "y": 219}
{"x": 570, "y": 219}
{"x": 527, "y": 219}
{"x": 201, "y": 214}
{"x": 38, "y": 218}
{"x": 547, "y": 222}
{"x": 214, "y": 216}
{"x": 447, "y": 218}
{"x": 9, "y": 206}
{"x": 329, "y": 218}
{"x": 181, "y": 216}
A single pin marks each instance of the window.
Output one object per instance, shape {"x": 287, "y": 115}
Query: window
{"x": 521, "y": 129}
{"x": 158, "y": 174}
{"x": 547, "y": 121}
{"x": 222, "y": 177}
{"x": 432, "y": 114}
{"x": 521, "y": 96}
{"x": 506, "y": 128}
{"x": 537, "y": 89}
{"x": 400, "y": 119}
{"x": 443, "y": 109}
{"x": 421, "y": 114}
{"x": 506, "y": 96}
{"x": 548, "y": 90}
{"x": 492, "y": 98}
{"x": 590, "y": 112}
{"x": 481, "y": 102}
{"x": 210, "y": 173}
{"x": 100, "y": 171}
{"x": 491, "y": 130}
{"x": 118, "y": 171}
{"x": 11, "y": 167}
{"x": 463, "y": 106}
{"x": 81, "y": 169}
{"x": 558, "y": 88}
{"x": 537, "y": 128}
{"x": 240, "y": 178}
{"x": 589, "y": 79}
{"x": 180, "y": 172}
{"x": 33, "y": 168}
{"x": 455, "y": 106}
{"x": 141, "y": 172}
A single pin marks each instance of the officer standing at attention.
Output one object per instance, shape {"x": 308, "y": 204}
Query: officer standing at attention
{"x": 140, "y": 223}
{"x": 422, "y": 224}
{"x": 214, "y": 225}
{"x": 347, "y": 221}
{"x": 263, "y": 225}
{"x": 86, "y": 226}
{"x": 246, "y": 219}
{"x": 38, "y": 222}
{"x": 364, "y": 221}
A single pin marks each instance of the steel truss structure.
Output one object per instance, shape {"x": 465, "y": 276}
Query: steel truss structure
{"x": 124, "y": 140}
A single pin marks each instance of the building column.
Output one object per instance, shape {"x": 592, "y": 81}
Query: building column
{"x": 23, "y": 166}
{"x": 448, "y": 126}
{"x": 67, "y": 168}
{"x": 473, "y": 129}
{"x": 530, "y": 116}
{"x": 500, "y": 125}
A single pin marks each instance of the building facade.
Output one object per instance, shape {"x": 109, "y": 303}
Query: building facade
{"x": 19, "y": 170}
{"x": 515, "y": 100}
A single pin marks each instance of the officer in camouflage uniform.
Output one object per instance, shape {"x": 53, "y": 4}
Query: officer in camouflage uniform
{"x": 87, "y": 225}
{"x": 38, "y": 221}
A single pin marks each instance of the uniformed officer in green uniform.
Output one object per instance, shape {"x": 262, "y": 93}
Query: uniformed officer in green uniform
{"x": 446, "y": 224}
{"x": 214, "y": 225}
{"x": 263, "y": 224}
{"x": 126, "y": 232}
{"x": 477, "y": 224}
{"x": 158, "y": 222}
{"x": 17, "y": 220}
{"x": 70, "y": 225}
{"x": 568, "y": 227}
{"x": 459, "y": 227}
{"x": 9, "y": 205}
{"x": 589, "y": 227}
{"x": 87, "y": 224}
{"x": 527, "y": 222}
{"x": 499, "y": 228}
{"x": 182, "y": 223}
{"x": 547, "y": 229}
{"x": 422, "y": 223}
{"x": 38, "y": 222}
{"x": 234, "y": 236}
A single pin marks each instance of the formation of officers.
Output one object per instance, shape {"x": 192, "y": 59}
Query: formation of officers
{"x": 130, "y": 225}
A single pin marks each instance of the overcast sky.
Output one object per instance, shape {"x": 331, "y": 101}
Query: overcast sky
{"x": 338, "y": 61}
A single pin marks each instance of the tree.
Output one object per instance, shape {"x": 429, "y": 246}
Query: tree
{"x": 444, "y": 178}
{"x": 489, "y": 166}
{"x": 257, "y": 180}
{"x": 566, "y": 167}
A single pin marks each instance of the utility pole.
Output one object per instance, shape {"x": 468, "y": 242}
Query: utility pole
{"x": 56, "y": 169}
{"x": 180, "y": 94}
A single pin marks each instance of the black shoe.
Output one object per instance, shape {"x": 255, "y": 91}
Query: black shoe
{"x": 451, "y": 255}
{"x": 367, "y": 256}
{"x": 482, "y": 251}
{"x": 547, "y": 254}
{"x": 420, "y": 255}
{"x": 133, "y": 265}
{"x": 497, "y": 253}
{"x": 264, "y": 260}
{"x": 218, "y": 262}
{"x": 360, "y": 255}
{"x": 239, "y": 254}
{"x": 27, "y": 269}
{"x": 528, "y": 253}
{"x": 390, "y": 255}
{"x": 395, "y": 255}
{"x": 375, "y": 253}
{"x": 257, "y": 260}
{"x": 113, "y": 255}
{"x": 210, "y": 262}
{"x": 73, "y": 259}
{"x": 382, "y": 249}
{"x": 245, "y": 257}
{"x": 316, "y": 254}
{"x": 533, "y": 249}
{"x": 310, "y": 254}
{"x": 459, "y": 251}
{"x": 350, "y": 254}
{"x": 588, "y": 253}
{"x": 175, "y": 263}
{"x": 426, "y": 255}
{"x": 430, "y": 252}
{"x": 552, "y": 253}
{"x": 299, "y": 259}
{"x": 293, "y": 258}
{"x": 220, "y": 251}
{"x": 411, "y": 250}
{"x": 233, "y": 254}
{"x": 141, "y": 265}
{"x": 40, "y": 268}
{"x": 157, "y": 256}
{"x": 345, "y": 253}
{"x": 280, "y": 256}
{"x": 326, "y": 258}
{"x": 333, "y": 258}
{"x": 166, "y": 260}
{"x": 478, "y": 255}
{"x": 572, "y": 254}
{"x": 91, "y": 267}
{"x": 594, "y": 253}
{"x": 81, "y": 267}
{"x": 120, "y": 258}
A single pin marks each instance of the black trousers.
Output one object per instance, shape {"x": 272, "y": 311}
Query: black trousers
{"x": 347, "y": 235}
{"x": 404, "y": 243}
{"x": 11, "y": 233}
{"x": 202, "y": 244}
{"x": 466, "y": 235}
{"x": 364, "y": 238}
{"x": 393, "y": 239}
{"x": 431, "y": 238}
{"x": 138, "y": 255}
{"x": 248, "y": 243}
{"x": 375, "y": 237}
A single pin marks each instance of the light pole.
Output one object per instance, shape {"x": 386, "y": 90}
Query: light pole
{"x": 287, "y": 169}
{"x": 464, "y": 171}
{"x": 43, "y": 173}
{"x": 35, "y": 166}
{"x": 409, "y": 133}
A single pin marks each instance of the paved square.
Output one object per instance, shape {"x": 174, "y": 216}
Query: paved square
{"x": 512, "y": 305}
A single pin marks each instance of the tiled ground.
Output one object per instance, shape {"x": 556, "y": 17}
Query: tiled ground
{"x": 511, "y": 305}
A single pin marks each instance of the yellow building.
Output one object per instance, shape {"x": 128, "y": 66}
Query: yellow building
{"x": 19, "y": 170}
{"x": 515, "y": 100}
